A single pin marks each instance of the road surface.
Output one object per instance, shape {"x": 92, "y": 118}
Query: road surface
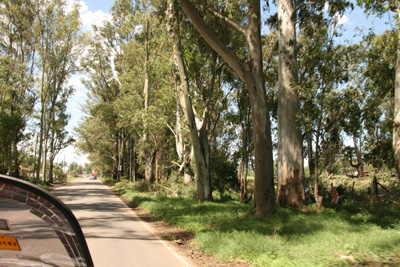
{"x": 115, "y": 236}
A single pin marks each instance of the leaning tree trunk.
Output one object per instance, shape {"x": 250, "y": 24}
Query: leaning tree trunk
{"x": 200, "y": 157}
{"x": 396, "y": 121}
{"x": 252, "y": 74}
{"x": 290, "y": 189}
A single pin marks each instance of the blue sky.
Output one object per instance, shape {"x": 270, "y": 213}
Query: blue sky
{"x": 95, "y": 11}
{"x": 103, "y": 5}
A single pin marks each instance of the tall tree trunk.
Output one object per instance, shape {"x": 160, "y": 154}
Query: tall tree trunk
{"x": 51, "y": 162}
{"x": 360, "y": 167}
{"x": 200, "y": 157}
{"x": 290, "y": 189}
{"x": 180, "y": 149}
{"x": 264, "y": 198}
{"x": 205, "y": 154}
{"x": 120, "y": 155}
{"x": 243, "y": 167}
{"x": 40, "y": 151}
{"x": 187, "y": 171}
{"x": 114, "y": 172}
{"x": 310, "y": 154}
{"x": 44, "y": 158}
{"x": 52, "y": 150}
{"x": 396, "y": 121}
{"x": 252, "y": 74}
{"x": 149, "y": 166}
{"x": 318, "y": 198}
{"x": 35, "y": 157}
{"x": 51, "y": 168}
{"x": 132, "y": 159}
{"x": 15, "y": 157}
{"x": 148, "y": 150}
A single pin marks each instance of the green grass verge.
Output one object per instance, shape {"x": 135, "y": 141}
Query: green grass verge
{"x": 348, "y": 235}
{"x": 108, "y": 180}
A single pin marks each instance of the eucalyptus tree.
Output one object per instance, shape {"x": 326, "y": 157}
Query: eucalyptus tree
{"x": 323, "y": 69}
{"x": 290, "y": 189}
{"x": 152, "y": 136}
{"x": 104, "y": 89}
{"x": 17, "y": 59}
{"x": 369, "y": 100}
{"x": 246, "y": 140}
{"x": 128, "y": 15}
{"x": 95, "y": 139}
{"x": 197, "y": 127}
{"x": 126, "y": 68}
{"x": 379, "y": 74}
{"x": 103, "y": 66}
{"x": 63, "y": 64}
{"x": 250, "y": 69}
{"x": 294, "y": 15}
{"x": 380, "y": 8}
{"x": 57, "y": 51}
{"x": 59, "y": 136}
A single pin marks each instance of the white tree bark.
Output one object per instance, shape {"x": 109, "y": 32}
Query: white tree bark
{"x": 200, "y": 150}
{"x": 290, "y": 189}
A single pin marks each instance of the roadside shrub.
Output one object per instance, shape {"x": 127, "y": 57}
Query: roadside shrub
{"x": 189, "y": 191}
{"x": 141, "y": 186}
{"x": 223, "y": 174}
{"x": 108, "y": 180}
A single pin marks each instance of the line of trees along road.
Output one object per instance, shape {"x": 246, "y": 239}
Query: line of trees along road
{"x": 206, "y": 91}
{"x": 39, "y": 49}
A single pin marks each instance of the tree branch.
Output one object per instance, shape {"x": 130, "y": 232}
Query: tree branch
{"x": 230, "y": 22}
{"x": 304, "y": 4}
{"x": 210, "y": 37}
{"x": 172, "y": 130}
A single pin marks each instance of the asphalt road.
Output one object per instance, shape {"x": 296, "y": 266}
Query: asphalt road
{"x": 115, "y": 236}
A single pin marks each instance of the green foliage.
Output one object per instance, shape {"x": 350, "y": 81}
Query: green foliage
{"x": 378, "y": 7}
{"x": 223, "y": 174}
{"x": 108, "y": 180}
{"x": 141, "y": 186}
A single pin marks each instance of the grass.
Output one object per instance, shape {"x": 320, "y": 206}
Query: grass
{"x": 47, "y": 184}
{"x": 108, "y": 180}
{"x": 353, "y": 234}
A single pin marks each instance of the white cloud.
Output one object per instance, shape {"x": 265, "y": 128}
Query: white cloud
{"x": 75, "y": 82}
{"x": 97, "y": 18}
{"x": 70, "y": 154}
{"x": 88, "y": 18}
{"x": 326, "y": 6}
{"x": 342, "y": 19}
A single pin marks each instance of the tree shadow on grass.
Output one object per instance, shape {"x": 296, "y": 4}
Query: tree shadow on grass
{"x": 233, "y": 216}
